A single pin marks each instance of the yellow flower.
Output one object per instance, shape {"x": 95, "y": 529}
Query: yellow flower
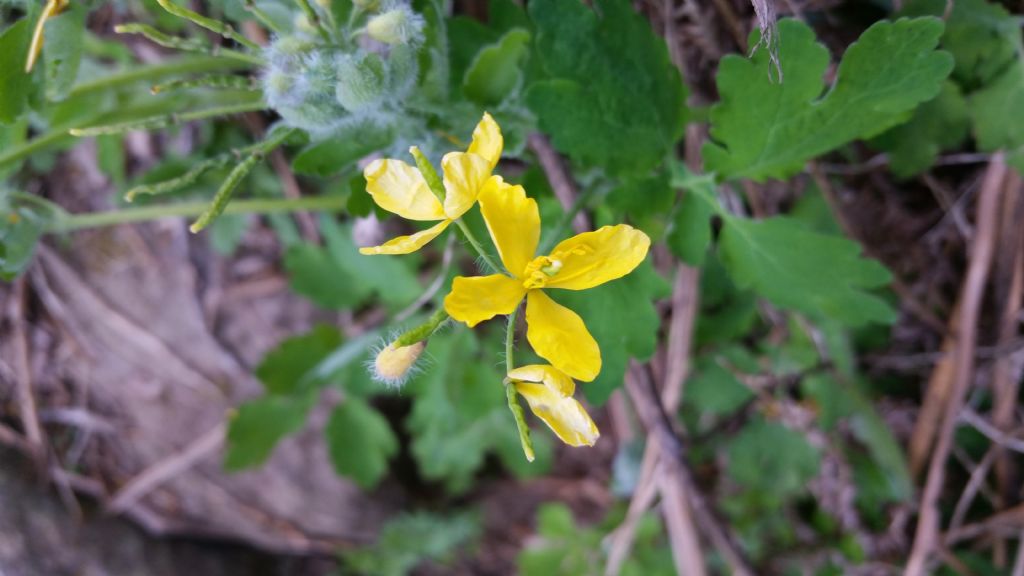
{"x": 400, "y": 188}
{"x": 586, "y": 260}
{"x": 549, "y": 393}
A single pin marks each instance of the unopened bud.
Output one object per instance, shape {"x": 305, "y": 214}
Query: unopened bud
{"x": 399, "y": 25}
{"x": 361, "y": 81}
{"x": 393, "y": 365}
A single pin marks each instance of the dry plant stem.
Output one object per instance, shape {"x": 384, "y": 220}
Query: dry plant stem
{"x": 936, "y": 393}
{"x": 166, "y": 469}
{"x": 641, "y": 391}
{"x": 559, "y": 177}
{"x": 23, "y": 367}
{"x": 1009, "y": 274}
{"x": 982, "y": 248}
{"x": 1018, "y": 564}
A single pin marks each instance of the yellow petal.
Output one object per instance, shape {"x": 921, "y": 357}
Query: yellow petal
{"x": 559, "y": 336}
{"x": 487, "y": 140}
{"x": 513, "y": 222}
{"x": 464, "y": 178}
{"x": 407, "y": 244}
{"x": 400, "y": 188}
{"x": 478, "y": 298}
{"x": 563, "y": 414}
{"x": 548, "y": 375}
{"x": 593, "y": 258}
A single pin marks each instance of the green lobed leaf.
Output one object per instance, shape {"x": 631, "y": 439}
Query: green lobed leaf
{"x": 410, "y": 539}
{"x": 283, "y": 368}
{"x": 496, "y": 71}
{"x": 995, "y": 112}
{"x": 937, "y": 125}
{"x": 622, "y": 318}
{"x": 314, "y": 273}
{"x": 15, "y": 84}
{"x": 690, "y": 234}
{"x": 257, "y": 426}
{"x": 982, "y": 36}
{"x": 770, "y": 458}
{"x": 62, "y": 52}
{"x": 798, "y": 269}
{"x": 603, "y": 63}
{"x": 360, "y": 442}
{"x": 767, "y": 128}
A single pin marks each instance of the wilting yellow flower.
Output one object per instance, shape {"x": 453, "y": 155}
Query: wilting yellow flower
{"x": 549, "y": 393}
{"x": 400, "y": 188}
{"x": 586, "y": 260}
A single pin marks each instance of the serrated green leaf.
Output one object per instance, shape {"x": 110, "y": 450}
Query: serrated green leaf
{"x": 937, "y": 125}
{"x": 15, "y": 84}
{"x": 496, "y": 71}
{"x": 767, "y": 128}
{"x": 257, "y": 426}
{"x": 982, "y": 36}
{"x": 459, "y": 413}
{"x": 690, "y": 234}
{"x": 283, "y": 368}
{"x": 611, "y": 81}
{"x": 360, "y": 442}
{"x": 314, "y": 273}
{"x": 62, "y": 51}
{"x": 802, "y": 270}
{"x": 771, "y": 458}
{"x": 621, "y": 317}
{"x": 995, "y": 111}
{"x": 342, "y": 150}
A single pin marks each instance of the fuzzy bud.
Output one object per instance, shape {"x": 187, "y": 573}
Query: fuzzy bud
{"x": 393, "y": 365}
{"x": 400, "y": 25}
{"x": 361, "y": 81}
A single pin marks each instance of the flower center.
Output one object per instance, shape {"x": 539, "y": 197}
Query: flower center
{"x": 539, "y": 271}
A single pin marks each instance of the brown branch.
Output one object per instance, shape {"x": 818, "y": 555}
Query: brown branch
{"x": 641, "y": 391}
{"x": 23, "y": 373}
{"x": 973, "y": 291}
{"x": 559, "y": 177}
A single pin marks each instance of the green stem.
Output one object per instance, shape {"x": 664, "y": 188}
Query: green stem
{"x": 185, "y": 44}
{"x": 238, "y": 173}
{"x": 314, "y": 19}
{"x": 495, "y": 267}
{"x": 215, "y": 26}
{"x": 162, "y": 121}
{"x": 264, "y": 18}
{"x": 180, "y": 66}
{"x": 73, "y": 222}
{"x": 36, "y": 144}
{"x": 510, "y": 388}
{"x": 423, "y": 331}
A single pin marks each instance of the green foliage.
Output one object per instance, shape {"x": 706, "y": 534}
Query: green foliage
{"x": 690, "y": 234}
{"x": 798, "y": 269}
{"x": 995, "y": 111}
{"x": 767, "y": 128}
{"x": 410, "y": 540}
{"x": 341, "y": 150}
{"x": 621, "y": 317}
{"x": 459, "y": 414}
{"x": 566, "y": 549}
{"x": 982, "y": 36}
{"x": 15, "y": 85}
{"x": 257, "y": 427}
{"x": 600, "y": 64}
{"x": 360, "y": 442}
{"x": 713, "y": 389}
{"x": 62, "y": 52}
{"x": 771, "y": 459}
{"x": 283, "y": 368}
{"x": 496, "y": 71}
{"x": 337, "y": 276}
{"x": 937, "y": 125}
{"x": 23, "y": 218}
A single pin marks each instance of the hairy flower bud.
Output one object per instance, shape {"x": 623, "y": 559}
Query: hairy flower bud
{"x": 399, "y": 25}
{"x": 362, "y": 81}
{"x": 394, "y": 364}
